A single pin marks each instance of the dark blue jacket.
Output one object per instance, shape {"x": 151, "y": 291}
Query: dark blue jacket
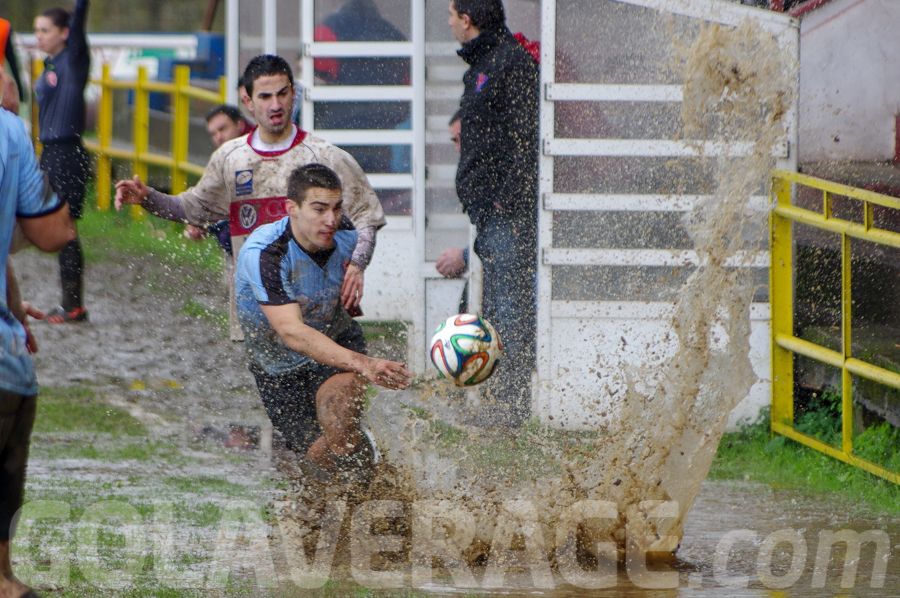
{"x": 60, "y": 88}
{"x": 497, "y": 176}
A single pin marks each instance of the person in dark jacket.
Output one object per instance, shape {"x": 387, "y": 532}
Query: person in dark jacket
{"x": 497, "y": 184}
{"x": 61, "y": 115}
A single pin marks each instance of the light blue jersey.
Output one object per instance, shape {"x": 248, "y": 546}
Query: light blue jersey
{"x": 23, "y": 194}
{"x": 272, "y": 269}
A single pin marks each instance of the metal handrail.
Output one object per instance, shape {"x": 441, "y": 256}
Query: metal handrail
{"x": 180, "y": 93}
{"x": 784, "y": 344}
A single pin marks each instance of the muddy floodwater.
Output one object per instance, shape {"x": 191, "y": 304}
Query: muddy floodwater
{"x": 458, "y": 508}
{"x": 740, "y": 538}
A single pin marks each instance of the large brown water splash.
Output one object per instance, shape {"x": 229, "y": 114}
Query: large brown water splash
{"x": 636, "y": 480}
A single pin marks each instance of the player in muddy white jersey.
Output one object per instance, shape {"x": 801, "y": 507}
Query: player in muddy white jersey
{"x": 246, "y": 179}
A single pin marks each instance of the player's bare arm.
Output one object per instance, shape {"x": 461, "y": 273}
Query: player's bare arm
{"x": 49, "y": 232}
{"x": 287, "y": 321}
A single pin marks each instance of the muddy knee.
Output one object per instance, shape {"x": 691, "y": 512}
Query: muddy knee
{"x": 339, "y": 405}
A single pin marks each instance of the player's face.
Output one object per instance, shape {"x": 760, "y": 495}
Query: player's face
{"x": 50, "y": 38}
{"x": 221, "y": 129}
{"x": 271, "y": 103}
{"x": 459, "y": 24}
{"x": 316, "y": 219}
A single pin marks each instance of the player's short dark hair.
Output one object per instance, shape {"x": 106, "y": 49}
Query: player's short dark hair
{"x": 232, "y": 112}
{"x": 310, "y": 176}
{"x": 263, "y": 66}
{"x": 58, "y": 16}
{"x": 484, "y": 14}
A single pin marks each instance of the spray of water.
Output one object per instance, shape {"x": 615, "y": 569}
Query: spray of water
{"x": 737, "y": 87}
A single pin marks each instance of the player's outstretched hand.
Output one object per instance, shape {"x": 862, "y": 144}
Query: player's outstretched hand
{"x": 130, "y": 191}
{"x": 389, "y": 374}
{"x": 194, "y": 233}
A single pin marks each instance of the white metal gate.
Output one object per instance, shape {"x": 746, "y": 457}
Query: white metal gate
{"x": 401, "y": 242}
{"x": 613, "y": 251}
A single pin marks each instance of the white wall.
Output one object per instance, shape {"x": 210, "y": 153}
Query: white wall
{"x": 849, "y": 80}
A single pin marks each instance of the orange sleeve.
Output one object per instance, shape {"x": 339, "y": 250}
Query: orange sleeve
{"x": 4, "y": 37}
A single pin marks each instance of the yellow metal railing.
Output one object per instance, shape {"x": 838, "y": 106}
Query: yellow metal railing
{"x": 180, "y": 94}
{"x": 784, "y": 344}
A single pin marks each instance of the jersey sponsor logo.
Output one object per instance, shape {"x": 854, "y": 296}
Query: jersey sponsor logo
{"x": 248, "y": 216}
{"x": 480, "y": 82}
{"x": 243, "y": 182}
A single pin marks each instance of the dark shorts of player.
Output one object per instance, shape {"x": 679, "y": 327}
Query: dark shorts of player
{"x": 16, "y": 420}
{"x": 68, "y": 168}
{"x": 290, "y": 397}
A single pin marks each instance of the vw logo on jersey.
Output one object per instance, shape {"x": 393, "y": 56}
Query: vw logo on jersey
{"x": 248, "y": 215}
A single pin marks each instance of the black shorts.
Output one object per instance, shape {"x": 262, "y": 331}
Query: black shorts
{"x": 290, "y": 397}
{"x": 16, "y": 421}
{"x": 67, "y": 165}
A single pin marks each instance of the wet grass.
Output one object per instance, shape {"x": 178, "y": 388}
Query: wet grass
{"x": 196, "y": 309}
{"x": 103, "y": 448}
{"x": 90, "y": 458}
{"x": 77, "y": 409}
{"x": 195, "y": 484}
{"x": 111, "y": 235}
{"x": 753, "y": 453}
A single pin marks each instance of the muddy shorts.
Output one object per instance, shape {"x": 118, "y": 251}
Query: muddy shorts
{"x": 16, "y": 420}
{"x": 290, "y": 397}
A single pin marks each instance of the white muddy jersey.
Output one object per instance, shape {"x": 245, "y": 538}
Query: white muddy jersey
{"x": 247, "y": 186}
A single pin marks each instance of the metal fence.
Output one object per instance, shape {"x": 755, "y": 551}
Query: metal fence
{"x": 180, "y": 92}
{"x": 785, "y": 218}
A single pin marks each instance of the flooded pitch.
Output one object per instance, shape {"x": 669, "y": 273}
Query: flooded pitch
{"x": 462, "y": 510}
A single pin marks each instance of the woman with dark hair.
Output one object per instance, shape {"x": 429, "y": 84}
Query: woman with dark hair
{"x": 61, "y": 114}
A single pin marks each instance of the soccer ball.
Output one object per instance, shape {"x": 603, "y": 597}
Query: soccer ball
{"x": 465, "y": 349}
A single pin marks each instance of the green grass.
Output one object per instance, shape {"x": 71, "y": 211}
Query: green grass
{"x": 194, "y": 484}
{"x": 103, "y": 447}
{"x": 110, "y": 235}
{"x": 195, "y": 309}
{"x": 76, "y": 422}
{"x": 753, "y": 453}
{"x": 78, "y": 409}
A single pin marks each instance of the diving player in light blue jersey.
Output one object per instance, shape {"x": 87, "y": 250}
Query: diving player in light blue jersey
{"x": 306, "y": 353}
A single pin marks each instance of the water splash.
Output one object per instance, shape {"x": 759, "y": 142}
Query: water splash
{"x": 738, "y": 85}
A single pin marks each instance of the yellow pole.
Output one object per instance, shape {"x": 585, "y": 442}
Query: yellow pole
{"x": 37, "y": 67}
{"x": 846, "y": 339}
{"x": 223, "y": 89}
{"x": 141, "y": 130}
{"x": 104, "y": 133}
{"x": 781, "y": 301}
{"x": 181, "y": 106}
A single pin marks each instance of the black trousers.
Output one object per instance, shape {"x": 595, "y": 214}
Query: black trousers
{"x": 67, "y": 165}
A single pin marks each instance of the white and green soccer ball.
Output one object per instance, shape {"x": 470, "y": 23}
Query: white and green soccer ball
{"x": 465, "y": 349}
